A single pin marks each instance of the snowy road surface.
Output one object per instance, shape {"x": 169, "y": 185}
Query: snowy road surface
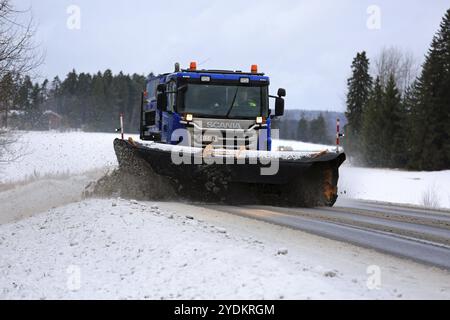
{"x": 40, "y": 195}
{"x": 126, "y": 249}
{"x": 417, "y": 234}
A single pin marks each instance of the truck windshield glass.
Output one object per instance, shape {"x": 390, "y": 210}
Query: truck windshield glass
{"x": 224, "y": 100}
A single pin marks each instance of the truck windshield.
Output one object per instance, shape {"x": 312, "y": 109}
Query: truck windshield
{"x": 228, "y": 101}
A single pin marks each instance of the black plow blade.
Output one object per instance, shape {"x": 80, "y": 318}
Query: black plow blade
{"x": 151, "y": 173}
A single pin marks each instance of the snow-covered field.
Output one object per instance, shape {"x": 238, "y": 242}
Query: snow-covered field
{"x": 52, "y": 153}
{"x": 429, "y": 189}
{"x": 55, "y": 153}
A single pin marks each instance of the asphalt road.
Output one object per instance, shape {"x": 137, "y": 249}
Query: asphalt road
{"x": 418, "y": 234}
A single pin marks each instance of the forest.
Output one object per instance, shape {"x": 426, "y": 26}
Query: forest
{"x": 397, "y": 118}
{"x": 87, "y": 102}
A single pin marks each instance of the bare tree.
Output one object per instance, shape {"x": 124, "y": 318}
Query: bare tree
{"x": 401, "y": 64}
{"x": 19, "y": 55}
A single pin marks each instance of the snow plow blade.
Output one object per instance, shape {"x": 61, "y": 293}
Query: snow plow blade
{"x": 275, "y": 178}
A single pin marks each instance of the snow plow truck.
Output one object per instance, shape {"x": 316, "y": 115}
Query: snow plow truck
{"x": 207, "y": 134}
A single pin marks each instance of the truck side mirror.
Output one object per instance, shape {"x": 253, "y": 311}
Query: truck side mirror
{"x": 161, "y": 97}
{"x": 161, "y": 101}
{"x": 282, "y": 92}
{"x": 279, "y": 107}
{"x": 161, "y": 87}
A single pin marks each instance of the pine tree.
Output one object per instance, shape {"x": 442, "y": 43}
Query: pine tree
{"x": 372, "y": 126}
{"x": 84, "y": 103}
{"x": 24, "y": 93}
{"x": 359, "y": 86}
{"x": 69, "y": 99}
{"x": 7, "y": 94}
{"x": 303, "y": 130}
{"x": 391, "y": 131}
{"x": 409, "y": 102}
{"x": 430, "y": 134}
{"x": 54, "y": 96}
{"x": 318, "y": 130}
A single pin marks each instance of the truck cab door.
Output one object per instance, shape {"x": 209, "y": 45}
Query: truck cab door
{"x": 167, "y": 117}
{"x": 165, "y": 127}
{"x": 149, "y": 113}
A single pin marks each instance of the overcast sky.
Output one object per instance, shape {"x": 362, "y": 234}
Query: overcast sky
{"x": 304, "y": 46}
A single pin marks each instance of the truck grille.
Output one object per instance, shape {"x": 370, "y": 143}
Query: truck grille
{"x": 222, "y": 139}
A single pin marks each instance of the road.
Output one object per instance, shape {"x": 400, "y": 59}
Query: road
{"x": 418, "y": 234}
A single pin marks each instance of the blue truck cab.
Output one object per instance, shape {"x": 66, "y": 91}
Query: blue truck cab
{"x": 214, "y": 103}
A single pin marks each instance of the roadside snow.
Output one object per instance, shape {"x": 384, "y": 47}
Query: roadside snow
{"x": 123, "y": 249}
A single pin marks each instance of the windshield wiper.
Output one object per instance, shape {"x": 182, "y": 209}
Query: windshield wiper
{"x": 232, "y": 103}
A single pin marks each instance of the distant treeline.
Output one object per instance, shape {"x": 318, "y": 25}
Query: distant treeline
{"x": 395, "y": 119}
{"x": 315, "y": 130}
{"x": 85, "y": 101}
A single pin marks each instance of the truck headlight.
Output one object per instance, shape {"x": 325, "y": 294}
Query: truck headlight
{"x": 259, "y": 120}
{"x": 189, "y": 117}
